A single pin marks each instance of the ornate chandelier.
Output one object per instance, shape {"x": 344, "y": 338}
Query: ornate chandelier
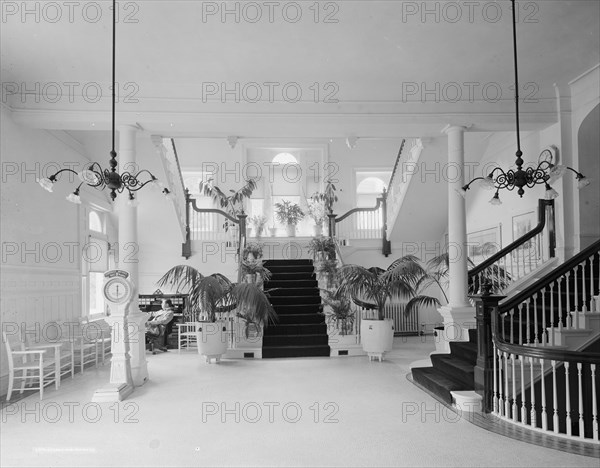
{"x": 94, "y": 176}
{"x": 545, "y": 173}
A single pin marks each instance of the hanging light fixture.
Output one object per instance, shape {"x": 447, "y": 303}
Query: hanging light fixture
{"x": 94, "y": 176}
{"x": 545, "y": 173}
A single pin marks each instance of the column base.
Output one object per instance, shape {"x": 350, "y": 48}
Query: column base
{"x": 112, "y": 393}
{"x": 137, "y": 347}
{"x": 457, "y": 322}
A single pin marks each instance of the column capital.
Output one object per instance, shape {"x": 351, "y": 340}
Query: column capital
{"x": 450, "y": 128}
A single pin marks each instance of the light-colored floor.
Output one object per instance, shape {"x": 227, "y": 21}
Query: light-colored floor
{"x": 343, "y": 411}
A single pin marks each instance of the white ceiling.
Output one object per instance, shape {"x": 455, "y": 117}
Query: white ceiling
{"x": 369, "y": 54}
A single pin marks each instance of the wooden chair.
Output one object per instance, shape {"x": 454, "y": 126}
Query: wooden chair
{"x": 187, "y": 335}
{"x": 32, "y": 364}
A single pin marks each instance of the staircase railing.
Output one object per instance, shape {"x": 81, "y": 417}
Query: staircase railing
{"x": 520, "y": 258}
{"x": 521, "y": 380}
{"x": 561, "y": 300}
{"x": 212, "y": 224}
{"x": 404, "y": 169}
{"x": 363, "y": 223}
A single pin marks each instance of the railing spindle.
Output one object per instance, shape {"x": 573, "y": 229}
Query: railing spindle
{"x": 543, "y": 381}
{"x": 568, "y": 398}
{"x": 515, "y": 413}
{"x": 532, "y": 413}
{"x": 523, "y": 408}
{"x": 554, "y": 397}
{"x": 580, "y": 400}
{"x": 495, "y": 379}
{"x": 507, "y": 396}
{"x": 568, "y": 275}
{"x": 594, "y": 402}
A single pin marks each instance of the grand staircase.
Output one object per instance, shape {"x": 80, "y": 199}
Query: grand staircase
{"x": 301, "y": 330}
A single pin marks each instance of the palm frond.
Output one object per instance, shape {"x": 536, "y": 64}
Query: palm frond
{"x": 420, "y": 301}
{"x": 254, "y": 302}
{"x": 181, "y": 277}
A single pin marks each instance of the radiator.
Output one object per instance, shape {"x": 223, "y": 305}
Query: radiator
{"x": 403, "y": 324}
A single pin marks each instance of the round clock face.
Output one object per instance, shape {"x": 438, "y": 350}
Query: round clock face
{"x": 117, "y": 290}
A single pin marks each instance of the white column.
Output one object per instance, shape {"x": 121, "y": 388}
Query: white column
{"x": 457, "y": 219}
{"x": 458, "y": 315}
{"x": 129, "y": 256}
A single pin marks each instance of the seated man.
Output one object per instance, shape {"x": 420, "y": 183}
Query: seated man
{"x": 157, "y": 324}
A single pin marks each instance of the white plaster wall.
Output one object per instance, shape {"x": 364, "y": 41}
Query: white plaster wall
{"x": 40, "y": 232}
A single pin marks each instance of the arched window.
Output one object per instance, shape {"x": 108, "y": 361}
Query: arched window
{"x": 285, "y": 158}
{"x": 95, "y": 222}
{"x": 369, "y": 188}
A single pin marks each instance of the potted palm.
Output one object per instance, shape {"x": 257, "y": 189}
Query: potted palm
{"x": 327, "y": 270}
{"x": 255, "y": 272}
{"x": 327, "y": 197}
{"x": 252, "y": 251}
{"x": 214, "y": 295}
{"x": 289, "y": 214}
{"x": 372, "y": 288}
{"x": 232, "y": 203}
{"x": 316, "y": 211}
{"x": 258, "y": 223}
{"x": 322, "y": 248}
{"x": 338, "y": 311}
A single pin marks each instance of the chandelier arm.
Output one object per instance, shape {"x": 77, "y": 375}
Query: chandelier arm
{"x": 152, "y": 177}
{"x": 141, "y": 185}
{"x": 505, "y": 180}
{"x": 53, "y": 176}
{"x": 466, "y": 187}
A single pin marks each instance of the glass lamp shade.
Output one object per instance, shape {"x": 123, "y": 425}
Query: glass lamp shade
{"x": 462, "y": 192}
{"x": 46, "y": 184}
{"x": 133, "y": 202}
{"x": 555, "y": 173}
{"x": 168, "y": 194}
{"x": 487, "y": 183}
{"x": 496, "y": 200}
{"x": 89, "y": 177}
{"x": 551, "y": 194}
{"x": 583, "y": 182}
{"x": 74, "y": 198}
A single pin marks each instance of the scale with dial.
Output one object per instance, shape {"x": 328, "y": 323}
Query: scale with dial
{"x": 118, "y": 293}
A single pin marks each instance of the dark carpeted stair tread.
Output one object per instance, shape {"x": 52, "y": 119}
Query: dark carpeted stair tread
{"x": 464, "y": 350}
{"x": 457, "y": 368}
{"x": 270, "y": 341}
{"x": 288, "y": 262}
{"x": 301, "y": 319}
{"x": 295, "y": 351}
{"x": 292, "y": 276}
{"x": 298, "y": 300}
{"x": 297, "y": 309}
{"x": 283, "y": 269}
{"x": 438, "y": 382}
{"x": 297, "y": 283}
{"x": 296, "y": 329}
{"x": 291, "y": 292}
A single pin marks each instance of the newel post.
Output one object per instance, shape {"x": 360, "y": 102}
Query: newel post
{"x": 486, "y": 312}
{"x": 386, "y": 248}
{"x": 186, "y": 247}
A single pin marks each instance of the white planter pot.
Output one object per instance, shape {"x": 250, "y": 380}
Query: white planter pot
{"x": 273, "y": 231}
{"x": 377, "y": 337}
{"x": 291, "y": 230}
{"x": 212, "y": 340}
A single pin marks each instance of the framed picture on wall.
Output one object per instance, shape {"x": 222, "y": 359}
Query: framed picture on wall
{"x": 484, "y": 243}
{"x": 522, "y": 224}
